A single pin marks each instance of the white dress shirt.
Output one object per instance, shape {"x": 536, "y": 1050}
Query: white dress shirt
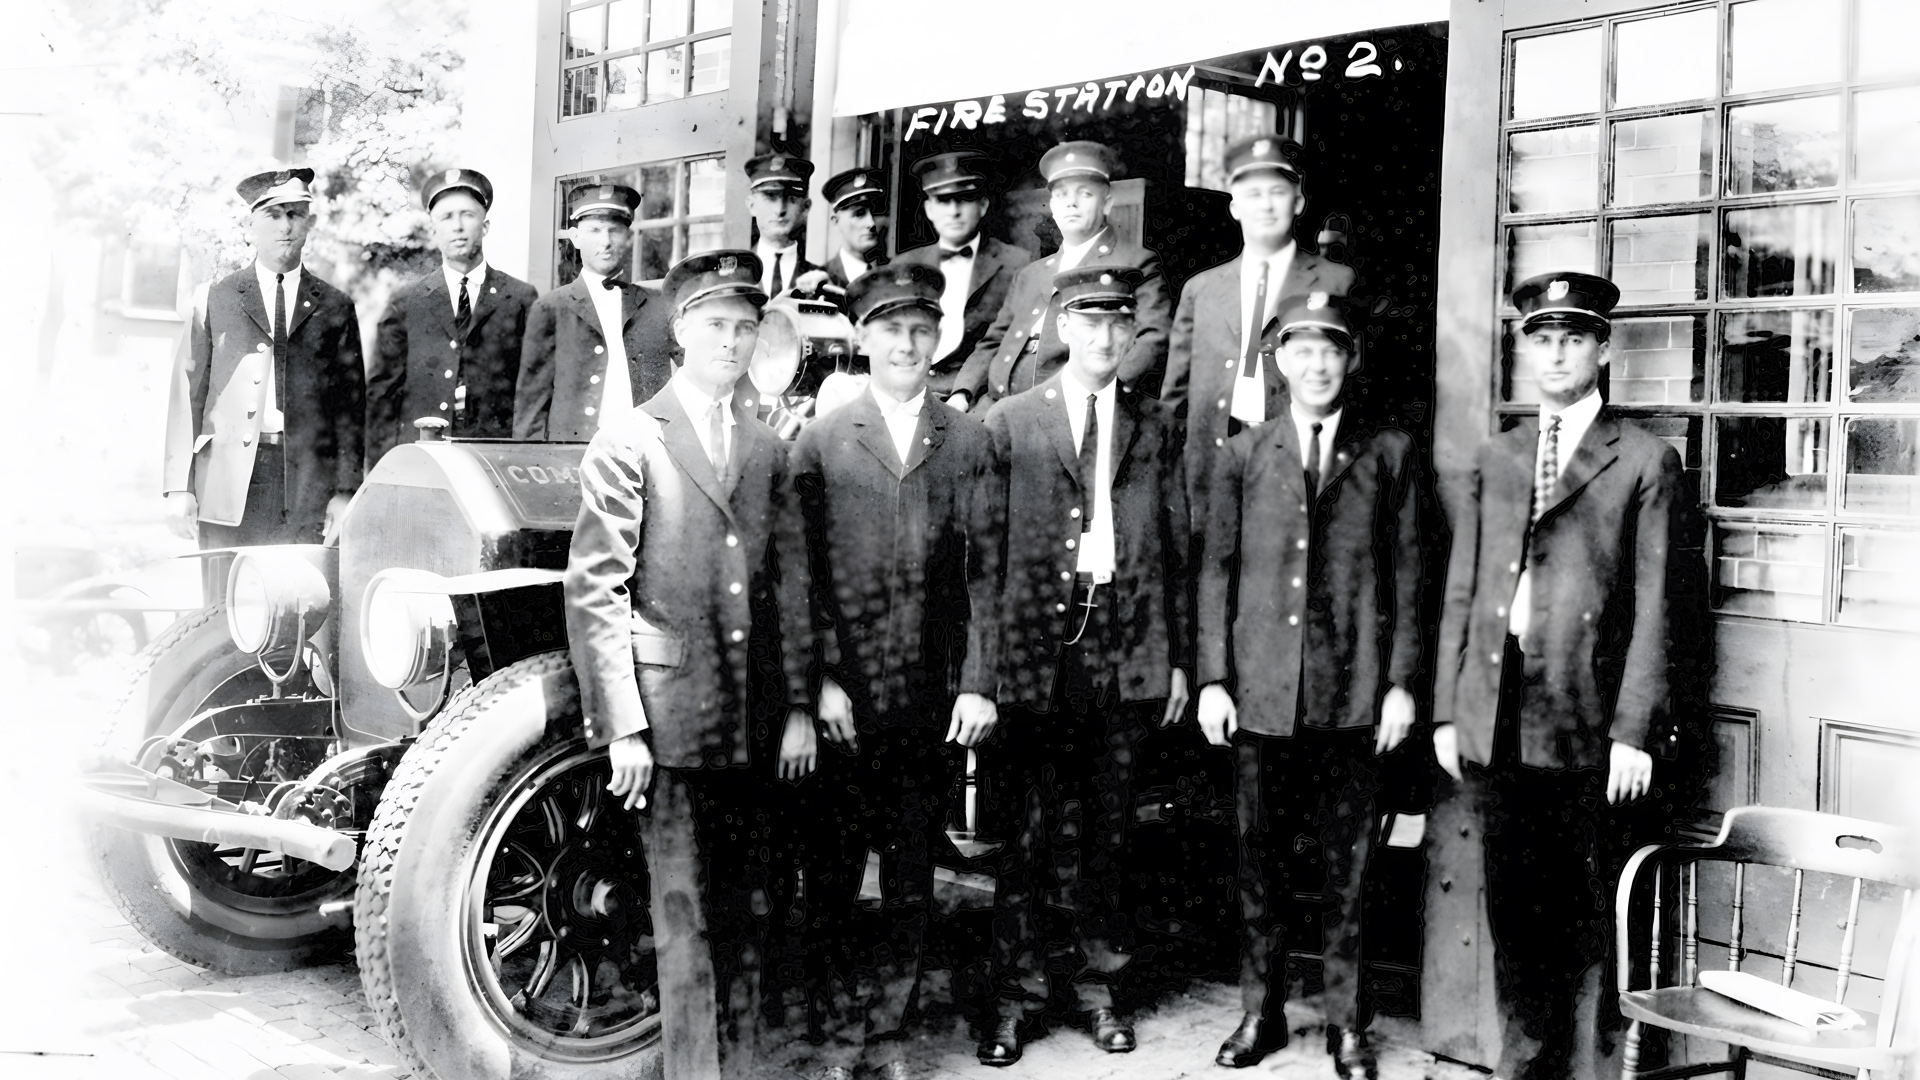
{"x": 473, "y": 278}
{"x": 1250, "y": 388}
{"x": 617, "y": 398}
{"x": 1303, "y": 426}
{"x": 1096, "y": 544}
{"x": 1073, "y": 255}
{"x": 789, "y": 258}
{"x": 855, "y": 264}
{"x": 958, "y": 271}
{"x": 902, "y": 417}
{"x": 272, "y": 420}
{"x": 1575, "y": 419}
{"x": 700, "y": 410}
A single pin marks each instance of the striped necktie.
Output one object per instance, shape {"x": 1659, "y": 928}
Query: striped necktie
{"x": 1549, "y": 476}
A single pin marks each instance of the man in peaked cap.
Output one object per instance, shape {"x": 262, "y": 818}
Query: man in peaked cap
{"x": 1554, "y": 672}
{"x": 1095, "y": 644}
{"x": 978, "y": 268}
{"x": 265, "y": 421}
{"x": 685, "y": 533}
{"x": 1023, "y": 348}
{"x": 449, "y": 342}
{"x": 897, "y": 492}
{"x": 1309, "y": 645}
{"x": 777, "y": 197}
{"x": 599, "y": 344}
{"x": 1219, "y": 363}
{"x": 857, "y": 207}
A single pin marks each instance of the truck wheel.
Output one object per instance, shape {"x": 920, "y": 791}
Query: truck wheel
{"x": 235, "y": 910}
{"x": 501, "y": 921}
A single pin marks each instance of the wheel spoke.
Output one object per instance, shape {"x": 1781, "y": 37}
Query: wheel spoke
{"x": 589, "y": 808}
{"x": 247, "y": 860}
{"x": 521, "y": 885}
{"x": 543, "y": 970}
{"x": 523, "y": 930}
{"x": 582, "y": 994}
{"x": 556, "y": 821}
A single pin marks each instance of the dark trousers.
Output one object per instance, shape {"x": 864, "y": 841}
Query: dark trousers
{"x": 1059, "y": 903}
{"x": 264, "y": 521}
{"x": 1548, "y": 899}
{"x": 1304, "y": 799}
{"x": 890, "y": 797}
{"x": 701, "y": 832}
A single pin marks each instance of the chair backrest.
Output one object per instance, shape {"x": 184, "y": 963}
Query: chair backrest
{"x": 1800, "y": 841}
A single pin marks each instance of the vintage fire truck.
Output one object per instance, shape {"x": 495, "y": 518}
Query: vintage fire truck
{"x": 379, "y": 746}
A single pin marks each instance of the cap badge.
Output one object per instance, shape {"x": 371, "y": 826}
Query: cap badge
{"x": 1558, "y": 290}
{"x": 728, "y": 264}
{"x": 1069, "y": 156}
{"x": 452, "y": 175}
{"x": 859, "y": 181}
{"x": 1106, "y": 279}
{"x": 1316, "y": 301}
{"x": 282, "y": 176}
{"x": 1264, "y": 146}
{"x": 777, "y": 163}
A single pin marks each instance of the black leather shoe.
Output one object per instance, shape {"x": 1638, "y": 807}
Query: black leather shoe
{"x": 1002, "y": 1044}
{"x": 1109, "y": 1033}
{"x": 1254, "y": 1039}
{"x": 1352, "y": 1054}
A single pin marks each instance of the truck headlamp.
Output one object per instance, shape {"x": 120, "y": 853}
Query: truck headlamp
{"x": 406, "y": 631}
{"x": 275, "y": 601}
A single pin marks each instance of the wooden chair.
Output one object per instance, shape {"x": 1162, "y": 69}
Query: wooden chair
{"x": 1758, "y": 850}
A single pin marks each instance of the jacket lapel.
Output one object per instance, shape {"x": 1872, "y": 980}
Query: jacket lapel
{"x": 1598, "y": 450}
{"x": 986, "y": 263}
{"x": 1293, "y": 463}
{"x": 1345, "y": 449}
{"x": 302, "y": 304}
{"x": 928, "y": 434}
{"x": 581, "y": 301}
{"x": 1126, "y": 429}
{"x": 485, "y": 298}
{"x": 1507, "y": 508}
{"x": 632, "y": 299}
{"x": 864, "y": 413}
{"x": 1303, "y": 273}
{"x": 439, "y": 304}
{"x": 251, "y": 302}
{"x": 683, "y": 445}
{"x": 1055, "y": 420}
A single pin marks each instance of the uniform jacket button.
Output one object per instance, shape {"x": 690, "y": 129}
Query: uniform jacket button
{"x": 1071, "y": 545}
{"x": 1293, "y": 620}
{"x": 734, "y": 588}
{"x": 594, "y": 379}
{"x": 739, "y": 635}
{"x": 1229, "y": 365}
{"x": 443, "y": 406}
{"x": 1493, "y": 658}
{"x": 1066, "y": 575}
{"x": 1219, "y": 442}
{"x": 732, "y": 540}
{"x": 1501, "y": 612}
{"x": 598, "y": 349}
{"x": 1301, "y": 544}
{"x": 1050, "y": 395}
{"x": 1513, "y": 568}
{"x": 453, "y": 344}
{"x": 1060, "y": 607}
{"x": 1074, "y": 513}
{"x": 1223, "y": 403}
{"x": 1296, "y": 583}
{"x": 448, "y": 373}
{"x": 589, "y": 410}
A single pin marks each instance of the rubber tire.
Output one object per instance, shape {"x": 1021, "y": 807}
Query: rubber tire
{"x": 192, "y": 665}
{"x": 408, "y": 918}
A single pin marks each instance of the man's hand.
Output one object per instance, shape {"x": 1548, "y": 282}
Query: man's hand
{"x": 836, "y": 716}
{"x": 183, "y": 515}
{"x": 974, "y": 717}
{"x": 810, "y": 283}
{"x": 1629, "y": 773}
{"x": 1396, "y": 720}
{"x": 632, "y": 761}
{"x": 1446, "y": 749}
{"x": 336, "y": 515}
{"x": 1218, "y": 717}
{"x": 798, "y": 746}
{"x": 1176, "y": 699}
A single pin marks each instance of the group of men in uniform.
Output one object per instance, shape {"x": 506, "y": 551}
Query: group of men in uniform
{"x": 1063, "y": 509}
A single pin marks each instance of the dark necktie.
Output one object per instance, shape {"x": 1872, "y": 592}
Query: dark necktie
{"x": 463, "y": 315}
{"x": 279, "y": 340}
{"x": 717, "y": 442}
{"x": 1250, "y": 357}
{"x": 1089, "y": 466}
{"x": 778, "y": 285}
{"x": 1313, "y": 462}
{"x": 1549, "y": 477}
{"x": 962, "y": 252}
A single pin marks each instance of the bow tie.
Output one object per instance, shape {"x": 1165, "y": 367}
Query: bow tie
{"x": 611, "y": 283}
{"x": 965, "y": 252}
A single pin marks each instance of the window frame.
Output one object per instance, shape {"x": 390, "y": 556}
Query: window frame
{"x": 677, "y": 223}
{"x": 569, "y": 65}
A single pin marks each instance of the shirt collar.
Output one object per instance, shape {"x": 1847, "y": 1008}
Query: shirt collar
{"x": 767, "y": 251}
{"x": 891, "y": 408}
{"x": 854, "y": 263}
{"x": 695, "y": 400}
{"x": 1329, "y": 422}
{"x": 1079, "y": 251}
{"x": 593, "y": 280}
{"x": 1579, "y": 415}
{"x": 1284, "y": 255}
{"x": 974, "y": 242}
{"x": 474, "y": 276}
{"x": 1076, "y": 391}
{"x": 267, "y": 283}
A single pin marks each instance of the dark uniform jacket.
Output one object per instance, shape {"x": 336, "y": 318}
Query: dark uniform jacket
{"x": 839, "y": 273}
{"x": 420, "y": 360}
{"x": 905, "y": 571}
{"x": 1337, "y": 587}
{"x": 671, "y": 584}
{"x": 1601, "y": 578}
{"x": 1037, "y": 461}
{"x": 994, "y": 265}
{"x": 219, "y": 377}
{"x": 1203, "y": 354}
{"x": 1000, "y": 364}
{"x": 563, "y": 360}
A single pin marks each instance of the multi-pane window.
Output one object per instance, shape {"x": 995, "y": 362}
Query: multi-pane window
{"x": 1748, "y": 173}
{"x": 682, "y": 204}
{"x": 620, "y": 54}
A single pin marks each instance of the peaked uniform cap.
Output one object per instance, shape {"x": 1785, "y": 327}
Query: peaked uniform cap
{"x": 612, "y": 200}
{"x": 276, "y": 187}
{"x": 1565, "y": 297}
{"x": 1269, "y": 153}
{"x": 888, "y": 289}
{"x": 959, "y": 172}
{"x": 1071, "y": 160}
{"x": 855, "y": 186}
{"x": 1098, "y": 288}
{"x": 457, "y": 180}
{"x": 1334, "y": 316}
{"x": 711, "y": 275}
{"x": 781, "y": 170}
